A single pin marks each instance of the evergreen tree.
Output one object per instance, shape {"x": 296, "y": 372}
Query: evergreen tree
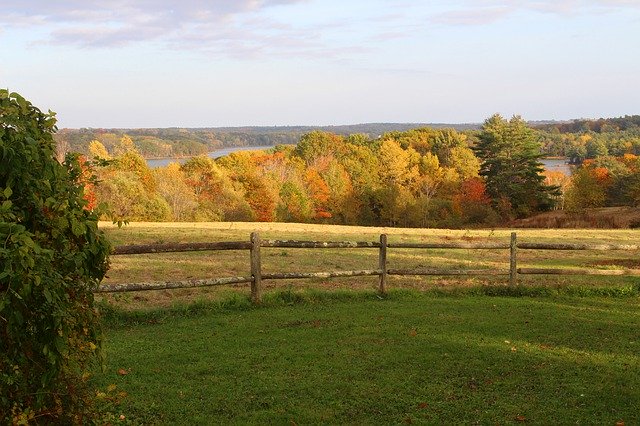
{"x": 510, "y": 156}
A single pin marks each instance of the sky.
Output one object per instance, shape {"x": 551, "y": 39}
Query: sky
{"x": 210, "y": 63}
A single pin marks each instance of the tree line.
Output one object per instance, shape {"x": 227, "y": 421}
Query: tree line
{"x": 422, "y": 177}
{"x": 188, "y": 142}
{"x": 577, "y": 140}
{"x": 581, "y": 140}
{"x": 416, "y": 178}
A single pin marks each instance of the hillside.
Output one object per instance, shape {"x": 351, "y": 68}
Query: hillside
{"x": 174, "y": 141}
{"x": 598, "y": 218}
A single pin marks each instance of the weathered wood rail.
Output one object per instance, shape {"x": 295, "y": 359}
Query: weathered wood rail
{"x": 255, "y": 244}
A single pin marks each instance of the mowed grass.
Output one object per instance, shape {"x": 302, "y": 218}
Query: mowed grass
{"x": 344, "y": 357}
{"x": 216, "y": 264}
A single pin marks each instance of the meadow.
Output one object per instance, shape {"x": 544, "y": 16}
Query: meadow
{"x": 216, "y": 264}
{"x": 433, "y": 350}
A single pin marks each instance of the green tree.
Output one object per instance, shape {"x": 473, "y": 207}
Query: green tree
{"x": 510, "y": 156}
{"x": 295, "y": 205}
{"x": 315, "y": 145}
{"x": 52, "y": 258}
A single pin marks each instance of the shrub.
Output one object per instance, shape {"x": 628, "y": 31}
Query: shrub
{"x": 52, "y": 257}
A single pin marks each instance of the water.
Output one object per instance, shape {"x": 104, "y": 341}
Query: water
{"x": 162, "y": 162}
{"x": 556, "y": 165}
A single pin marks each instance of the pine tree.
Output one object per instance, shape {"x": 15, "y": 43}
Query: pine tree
{"x": 510, "y": 156}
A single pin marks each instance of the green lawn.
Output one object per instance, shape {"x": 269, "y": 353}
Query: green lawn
{"x": 413, "y": 357}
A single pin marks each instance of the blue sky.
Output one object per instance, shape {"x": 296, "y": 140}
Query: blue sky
{"x": 200, "y": 63}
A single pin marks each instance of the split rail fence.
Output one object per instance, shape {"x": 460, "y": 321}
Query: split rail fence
{"x": 255, "y": 244}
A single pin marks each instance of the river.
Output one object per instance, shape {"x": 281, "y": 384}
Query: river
{"x": 161, "y": 162}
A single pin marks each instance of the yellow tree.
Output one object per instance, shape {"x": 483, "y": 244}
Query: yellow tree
{"x": 98, "y": 150}
{"x": 172, "y": 186}
{"x": 398, "y": 167}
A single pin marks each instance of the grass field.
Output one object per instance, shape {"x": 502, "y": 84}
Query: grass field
{"x": 178, "y": 266}
{"x": 435, "y": 350}
{"x": 352, "y": 357}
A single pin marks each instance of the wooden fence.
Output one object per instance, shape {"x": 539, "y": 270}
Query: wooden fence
{"x": 255, "y": 244}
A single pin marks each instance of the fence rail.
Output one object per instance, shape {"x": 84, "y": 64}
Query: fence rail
{"x": 255, "y": 244}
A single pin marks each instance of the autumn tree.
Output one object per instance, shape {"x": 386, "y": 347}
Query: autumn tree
{"x": 586, "y": 189}
{"x": 219, "y": 197}
{"x": 320, "y": 193}
{"x": 128, "y": 187}
{"x": 172, "y": 185}
{"x": 98, "y": 150}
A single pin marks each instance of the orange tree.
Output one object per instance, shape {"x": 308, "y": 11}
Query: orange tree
{"x": 52, "y": 257}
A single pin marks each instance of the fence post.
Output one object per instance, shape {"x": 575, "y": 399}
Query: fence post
{"x": 513, "y": 271}
{"x": 383, "y": 264}
{"x": 256, "y": 269}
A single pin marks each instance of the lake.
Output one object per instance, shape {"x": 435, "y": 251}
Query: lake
{"x": 557, "y": 165}
{"x": 162, "y": 162}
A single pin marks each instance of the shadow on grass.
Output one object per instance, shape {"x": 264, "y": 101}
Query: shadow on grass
{"x": 408, "y": 357}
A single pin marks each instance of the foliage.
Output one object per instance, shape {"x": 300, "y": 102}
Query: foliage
{"x": 52, "y": 258}
{"x": 172, "y": 186}
{"x": 413, "y": 178}
{"x": 511, "y": 165}
{"x": 587, "y": 190}
{"x": 187, "y": 142}
{"x": 326, "y": 178}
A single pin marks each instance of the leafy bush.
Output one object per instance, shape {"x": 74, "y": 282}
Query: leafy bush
{"x": 52, "y": 257}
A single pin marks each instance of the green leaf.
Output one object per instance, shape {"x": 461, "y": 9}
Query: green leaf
{"x": 47, "y": 295}
{"x": 77, "y": 228}
{"x": 8, "y": 192}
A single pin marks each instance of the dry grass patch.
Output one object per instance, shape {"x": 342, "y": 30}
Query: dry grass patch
{"x": 216, "y": 264}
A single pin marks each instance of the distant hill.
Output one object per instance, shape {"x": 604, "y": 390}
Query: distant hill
{"x": 175, "y": 141}
{"x": 600, "y": 125}
{"x": 371, "y": 129}
{"x": 185, "y": 142}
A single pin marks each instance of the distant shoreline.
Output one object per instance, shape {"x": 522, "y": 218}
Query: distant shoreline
{"x": 164, "y": 161}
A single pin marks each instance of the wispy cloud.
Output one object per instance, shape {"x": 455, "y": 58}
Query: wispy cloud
{"x": 249, "y": 28}
{"x": 96, "y": 23}
{"x": 483, "y": 12}
{"x": 472, "y": 16}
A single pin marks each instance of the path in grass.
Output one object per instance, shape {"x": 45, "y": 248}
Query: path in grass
{"x": 412, "y": 358}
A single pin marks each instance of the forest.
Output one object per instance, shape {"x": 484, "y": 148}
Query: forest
{"x": 425, "y": 177}
{"x": 187, "y": 142}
